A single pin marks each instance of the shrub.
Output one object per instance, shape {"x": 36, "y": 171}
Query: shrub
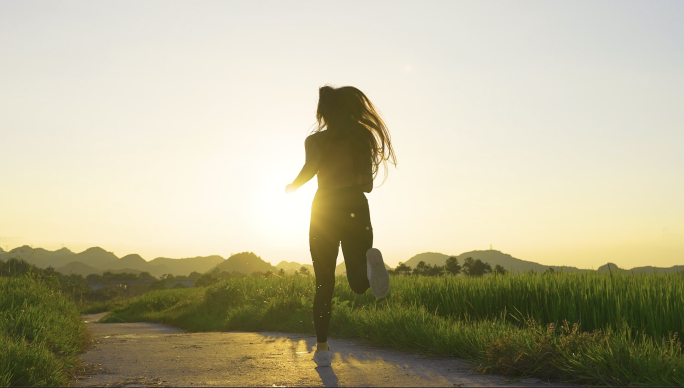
{"x": 223, "y": 296}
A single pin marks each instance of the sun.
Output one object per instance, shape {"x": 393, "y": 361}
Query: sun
{"x": 286, "y": 212}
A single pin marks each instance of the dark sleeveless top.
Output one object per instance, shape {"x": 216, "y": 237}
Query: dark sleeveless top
{"x": 343, "y": 162}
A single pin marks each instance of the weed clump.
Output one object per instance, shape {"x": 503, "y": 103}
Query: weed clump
{"x": 41, "y": 333}
{"x": 539, "y": 350}
{"x": 224, "y": 295}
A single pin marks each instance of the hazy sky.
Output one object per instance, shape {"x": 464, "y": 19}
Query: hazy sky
{"x": 552, "y": 130}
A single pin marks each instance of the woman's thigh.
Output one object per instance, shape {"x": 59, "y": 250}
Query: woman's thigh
{"x": 324, "y": 255}
{"x": 324, "y": 244}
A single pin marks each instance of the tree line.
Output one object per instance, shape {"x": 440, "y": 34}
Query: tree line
{"x": 470, "y": 267}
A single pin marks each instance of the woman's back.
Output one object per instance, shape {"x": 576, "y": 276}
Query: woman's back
{"x": 344, "y": 160}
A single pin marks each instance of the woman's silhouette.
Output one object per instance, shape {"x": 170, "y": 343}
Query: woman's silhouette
{"x": 345, "y": 151}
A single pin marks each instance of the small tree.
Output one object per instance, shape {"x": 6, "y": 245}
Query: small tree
{"x": 159, "y": 284}
{"x": 452, "y": 267}
{"x": 499, "y": 270}
{"x": 281, "y": 272}
{"x": 304, "y": 271}
{"x": 475, "y": 267}
{"x": 402, "y": 269}
{"x": 146, "y": 276}
{"x": 467, "y": 263}
{"x": 436, "y": 270}
{"x": 422, "y": 268}
{"x": 205, "y": 280}
{"x": 94, "y": 278}
{"x": 107, "y": 276}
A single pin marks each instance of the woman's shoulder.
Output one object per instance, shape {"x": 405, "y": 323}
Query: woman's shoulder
{"x": 348, "y": 137}
{"x": 319, "y": 138}
{"x": 316, "y": 136}
{"x": 313, "y": 139}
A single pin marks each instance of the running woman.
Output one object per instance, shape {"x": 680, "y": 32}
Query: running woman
{"x": 345, "y": 151}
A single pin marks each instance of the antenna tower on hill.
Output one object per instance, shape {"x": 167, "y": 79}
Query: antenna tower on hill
{"x": 490, "y": 247}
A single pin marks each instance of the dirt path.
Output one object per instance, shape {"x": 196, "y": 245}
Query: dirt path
{"x": 148, "y": 354}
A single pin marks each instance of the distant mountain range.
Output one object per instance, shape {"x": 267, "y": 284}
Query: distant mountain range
{"x": 97, "y": 260}
{"x": 492, "y": 257}
{"x": 510, "y": 263}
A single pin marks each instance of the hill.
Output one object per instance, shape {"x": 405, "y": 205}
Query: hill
{"x": 130, "y": 261}
{"x": 40, "y": 257}
{"x": 291, "y": 266}
{"x": 96, "y": 257}
{"x": 201, "y": 264}
{"x": 78, "y": 268}
{"x": 493, "y": 257}
{"x": 431, "y": 258}
{"x": 637, "y": 270}
{"x": 246, "y": 262}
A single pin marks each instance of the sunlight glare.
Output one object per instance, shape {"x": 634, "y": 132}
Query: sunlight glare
{"x": 283, "y": 212}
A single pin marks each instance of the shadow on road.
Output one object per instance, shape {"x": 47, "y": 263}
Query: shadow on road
{"x": 327, "y": 375}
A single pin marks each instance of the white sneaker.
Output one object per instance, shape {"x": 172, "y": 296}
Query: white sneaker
{"x": 322, "y": 358}
{"x": 377, "y": 273}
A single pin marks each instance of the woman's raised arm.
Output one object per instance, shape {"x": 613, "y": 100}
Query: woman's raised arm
{"x": 310, "y": 166}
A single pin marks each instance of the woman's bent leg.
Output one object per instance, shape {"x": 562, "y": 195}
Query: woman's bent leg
{"x": 324, "y": 255}
{"x": 355, "y": 261}
{"x": 357, "y": 239}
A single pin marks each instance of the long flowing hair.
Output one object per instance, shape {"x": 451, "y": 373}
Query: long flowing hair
{"x": 348, "y": 112}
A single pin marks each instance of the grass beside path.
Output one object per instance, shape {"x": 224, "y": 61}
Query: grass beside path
{"x": 41, "y": 334}
{"x": 591, "y": 329}
{"x": 103, "y": 306}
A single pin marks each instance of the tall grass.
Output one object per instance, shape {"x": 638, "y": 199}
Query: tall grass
{"x": 589, "y": 328}
{"x": 652, "y": 304}
{"x": 41, "y": 334}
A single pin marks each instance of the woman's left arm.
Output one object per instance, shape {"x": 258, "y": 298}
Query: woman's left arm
{"x": 310, "y": 166}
